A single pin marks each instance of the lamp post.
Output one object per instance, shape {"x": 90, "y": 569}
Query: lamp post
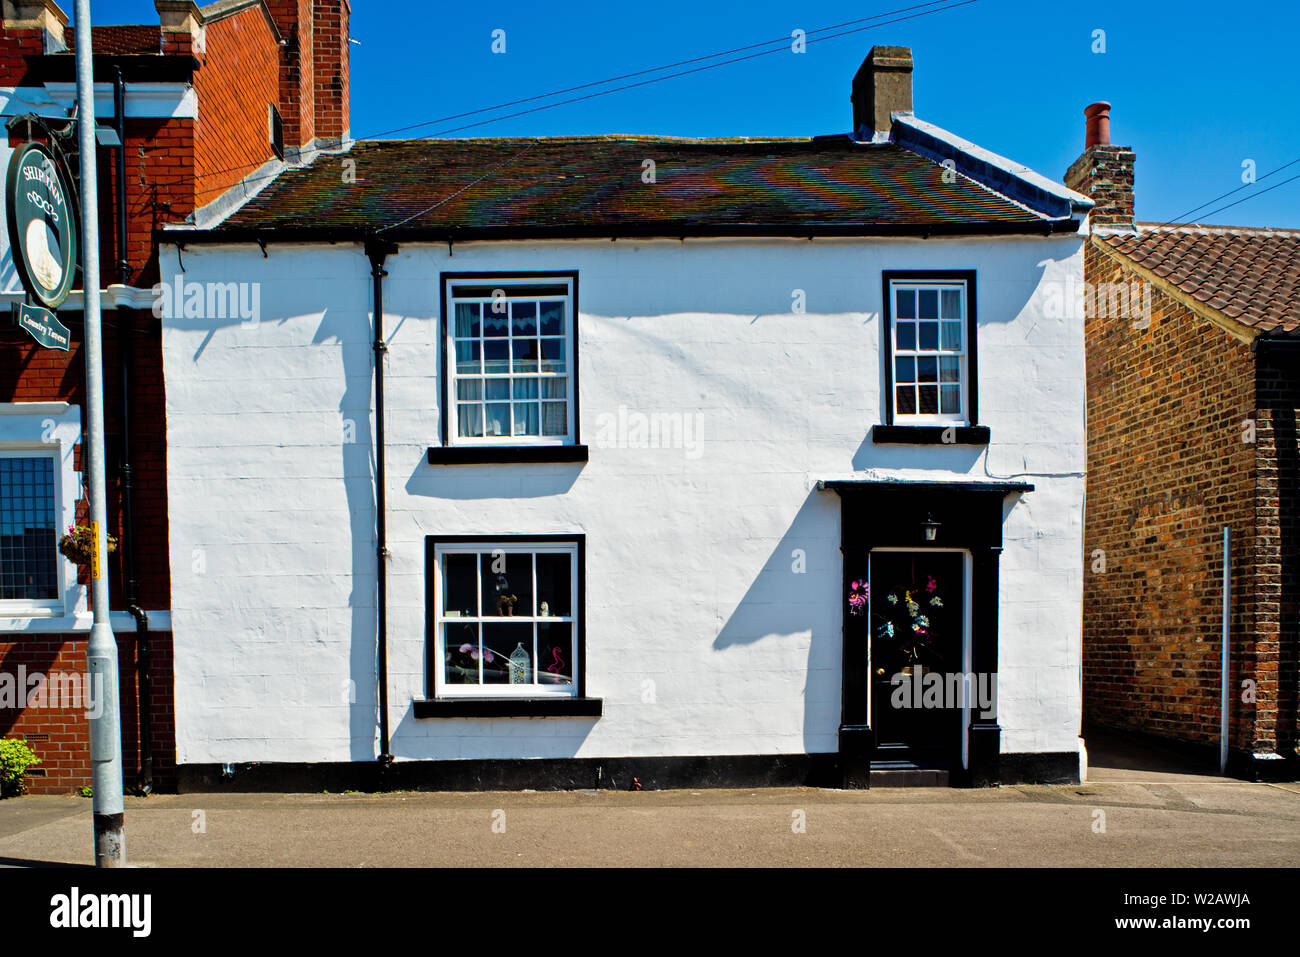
{"x": 101, "y": 652}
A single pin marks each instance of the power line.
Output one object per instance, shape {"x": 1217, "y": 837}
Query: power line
{"x": 698, "y": 69}
{"x": 1253, "y": 195}
{"x": 499, "y": 166}
{"x": 614, "y": 79}
{"x": 660, "y": 79}
{"x": 1180, "y": 218}
{"x": 657, "y": 69}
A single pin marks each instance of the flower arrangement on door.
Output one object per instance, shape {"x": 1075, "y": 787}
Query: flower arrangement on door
{"x": 913, "y": 636}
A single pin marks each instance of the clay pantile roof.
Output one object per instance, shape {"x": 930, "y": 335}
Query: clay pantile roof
{"x": 1250, "y": 275}
{"x": 596, "y": 185}
{"x": 118, "y": 40}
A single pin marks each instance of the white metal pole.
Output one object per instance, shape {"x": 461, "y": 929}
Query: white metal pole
{"x": 1223, "y": 664}
{"x": 101, "y": 654}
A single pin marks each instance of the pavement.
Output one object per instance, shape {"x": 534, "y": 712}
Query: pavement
{"x": 1138, "y": 808}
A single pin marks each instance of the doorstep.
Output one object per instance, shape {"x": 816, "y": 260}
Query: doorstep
{"x": 908, "y": 778}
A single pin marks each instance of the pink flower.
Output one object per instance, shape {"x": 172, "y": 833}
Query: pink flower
{"x": 465, "y": 647}
{"x": 931, "y": 584}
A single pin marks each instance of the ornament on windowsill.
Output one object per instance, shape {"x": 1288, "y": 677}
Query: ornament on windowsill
{"x": 521, "y": 666}
{"x": 505, "y": 600}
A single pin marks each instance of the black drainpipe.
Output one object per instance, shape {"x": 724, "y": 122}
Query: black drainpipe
{"x": 126, "y": 354}
{"x": 377, "y": 251}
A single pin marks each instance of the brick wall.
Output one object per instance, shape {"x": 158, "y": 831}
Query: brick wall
{"x": 238, "y": 80}
{"x": 331, "y": 52}
{"x": 61, "y": 736}
{"x": 30, "y": 373}
{"x": 1277, "y": 558}
{"x": 1167, "y": 469}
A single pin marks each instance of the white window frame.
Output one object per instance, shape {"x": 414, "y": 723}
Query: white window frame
{"x": 47, "y": 428}
{"x": 443, "y": 689}
{"x": 962, "y": 417}
{"x": 453, "y": 436}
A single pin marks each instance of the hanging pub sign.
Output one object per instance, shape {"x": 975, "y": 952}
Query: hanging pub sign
{"x": 42, "y": 225}
{"x": 42, "y": 325}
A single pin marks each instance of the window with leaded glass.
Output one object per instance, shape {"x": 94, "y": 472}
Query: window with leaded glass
{"x": 29, "y": 529}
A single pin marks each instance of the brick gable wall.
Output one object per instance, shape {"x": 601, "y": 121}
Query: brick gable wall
{"x": 1167, "y": 469}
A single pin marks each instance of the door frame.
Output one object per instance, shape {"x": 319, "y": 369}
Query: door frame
{"x": 889, "y": 513}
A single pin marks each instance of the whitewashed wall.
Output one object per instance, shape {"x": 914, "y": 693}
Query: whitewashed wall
{"x": 689, "y": 559}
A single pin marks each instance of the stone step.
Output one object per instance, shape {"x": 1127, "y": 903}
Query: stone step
{"x": 908, "y": 778}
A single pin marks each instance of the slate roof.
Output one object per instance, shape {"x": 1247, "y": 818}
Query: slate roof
{"x": 1250, "y": 275}
{"x": 594, "y": 186}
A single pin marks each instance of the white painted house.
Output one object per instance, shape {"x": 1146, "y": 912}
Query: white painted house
{"x": 654, "y": 411}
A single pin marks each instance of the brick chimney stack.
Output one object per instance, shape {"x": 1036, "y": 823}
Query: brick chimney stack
{"x": 314, "y": 98}
{"x": 38, "y": 25}
{"x": 330, "y": 70}
{"x": 882, "y": 85}
{"x": 1104, "y": 173}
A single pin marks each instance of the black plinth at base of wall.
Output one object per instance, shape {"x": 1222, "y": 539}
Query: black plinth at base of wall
{"x": 1050, "y": 767}
{"x": 984, "y": 758}
{"x": 541, "y": 774}
{"x": 829, "y": 770}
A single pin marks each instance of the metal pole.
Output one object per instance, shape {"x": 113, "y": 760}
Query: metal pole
{"x": 1223, "y": 664}
{"x": 101, "y": 654}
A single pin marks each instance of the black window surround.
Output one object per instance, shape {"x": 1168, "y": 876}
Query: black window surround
{"x": 504, "y": 453}
{"x": 967, "y": 433}
{"x": 514, "y": 706}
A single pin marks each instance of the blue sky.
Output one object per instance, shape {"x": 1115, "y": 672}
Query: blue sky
{"x": 1197, "y": 86}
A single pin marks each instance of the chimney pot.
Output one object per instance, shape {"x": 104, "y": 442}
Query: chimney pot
{"x": 1097, "y": 126}
{"x": 882, "y": 85}
{"x": 1104, "y": 173}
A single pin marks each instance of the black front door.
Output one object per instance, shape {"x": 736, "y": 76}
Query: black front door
{"x": 916, "y": 603}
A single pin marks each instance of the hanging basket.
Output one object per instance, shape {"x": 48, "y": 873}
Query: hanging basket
{"x": 78, "y": 544}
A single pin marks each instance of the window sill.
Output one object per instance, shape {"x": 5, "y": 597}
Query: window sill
{"x": 929, "y": 434}
{"x": 505, "y": 454}
{"x": 555, "y": 706}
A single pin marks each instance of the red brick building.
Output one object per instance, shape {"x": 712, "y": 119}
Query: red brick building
{"x": 1193, "y": 355}
{"x": 213, "y": 102}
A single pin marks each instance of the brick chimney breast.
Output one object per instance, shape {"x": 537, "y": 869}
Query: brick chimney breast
{"x": 1104, "y": 172}
{"x": 882, "y": 85}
